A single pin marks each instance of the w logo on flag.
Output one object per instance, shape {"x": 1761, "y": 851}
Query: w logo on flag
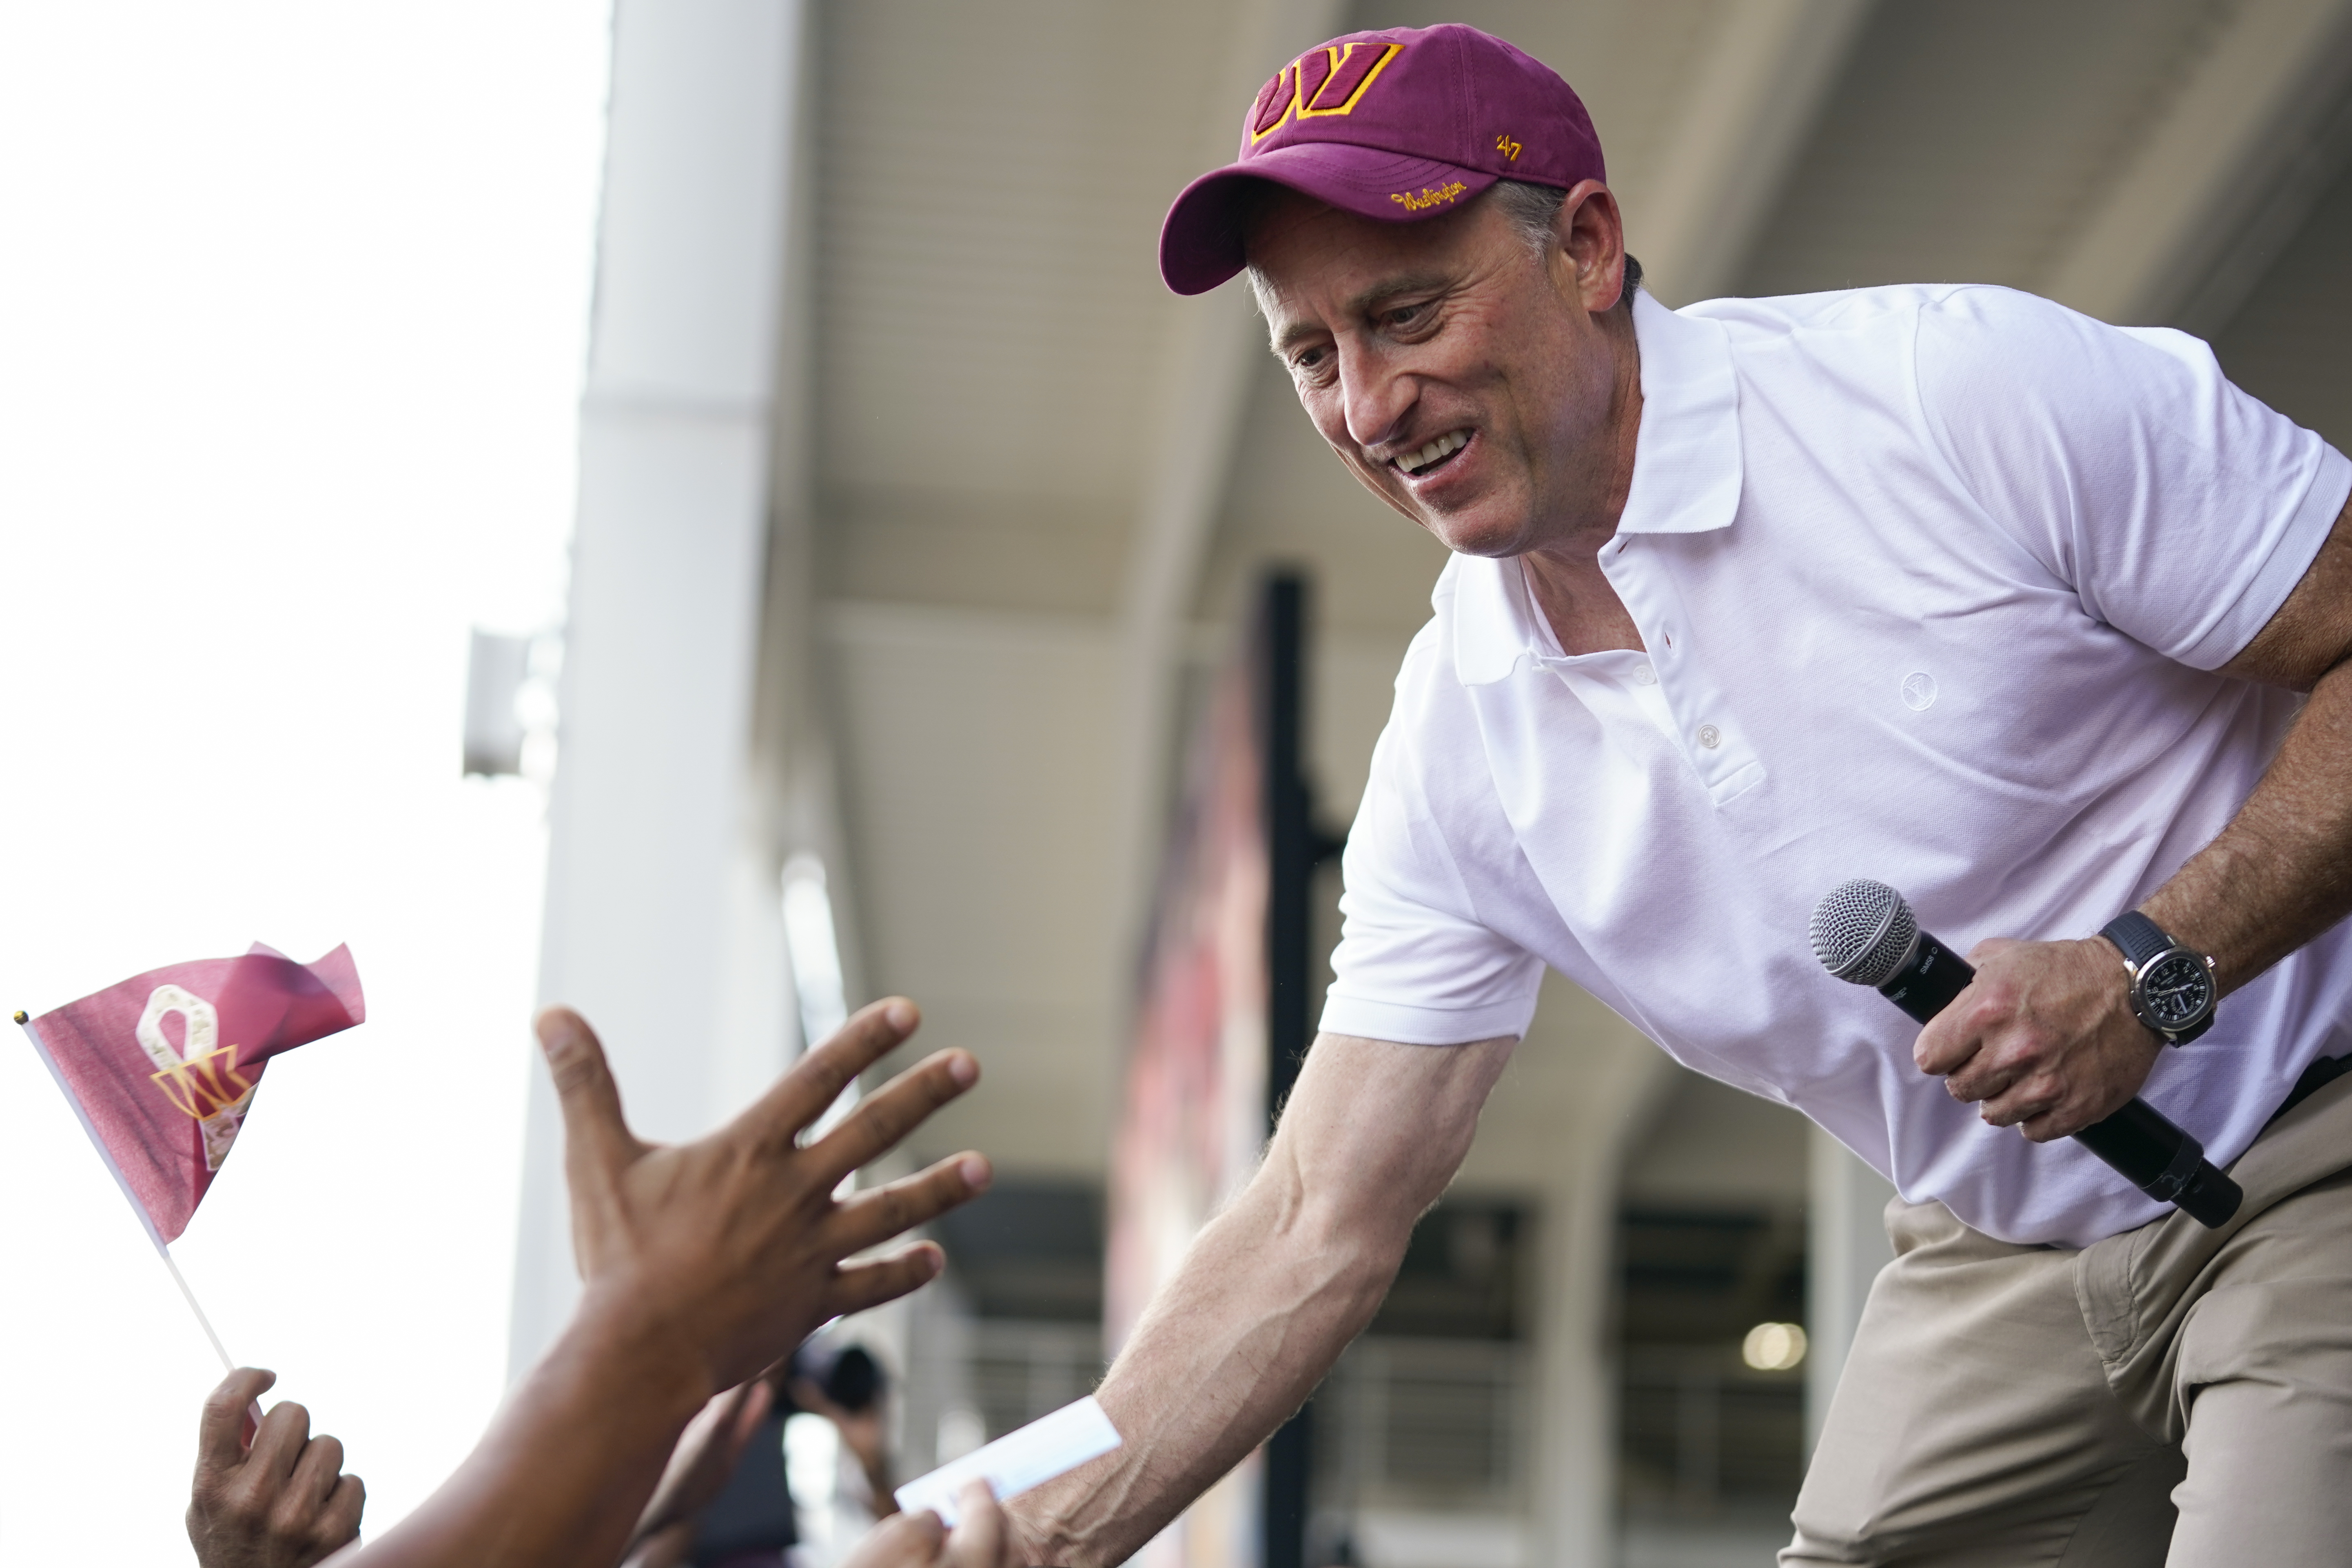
{"x": 163, "y": 1067}
{"x": 201, "y": 1077}
{"x": 1330, "y": 80}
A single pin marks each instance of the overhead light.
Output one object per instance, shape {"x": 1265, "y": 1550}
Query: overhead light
{"x": 1773, "y": 1347}
{"x": 510, "y": 717}
{"x": 496, "y": 667}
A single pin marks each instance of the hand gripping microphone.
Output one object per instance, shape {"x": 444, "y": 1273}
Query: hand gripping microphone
{"x": 1865, "y": 933}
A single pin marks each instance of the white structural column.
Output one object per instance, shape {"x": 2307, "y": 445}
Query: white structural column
{"x": 1846, "y": 1245}
{"x": 1619, "y": 1079}
{"x": 2262, "y": 92}
{"x": 661, "y": 901}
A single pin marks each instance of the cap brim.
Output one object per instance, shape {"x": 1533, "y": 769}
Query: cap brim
{"x": 1201, "y": 241}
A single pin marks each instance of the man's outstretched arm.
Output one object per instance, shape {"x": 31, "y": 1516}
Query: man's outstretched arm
{"x": 1273, "y": 1289}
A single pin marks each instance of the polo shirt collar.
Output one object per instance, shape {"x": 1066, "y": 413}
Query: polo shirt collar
{"x": 1685, "y": 480}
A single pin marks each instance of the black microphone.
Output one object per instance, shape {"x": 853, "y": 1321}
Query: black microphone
{"x": 1866, "y": 932}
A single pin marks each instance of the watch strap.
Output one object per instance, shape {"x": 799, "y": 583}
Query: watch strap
{"x": 2139, "y": 938}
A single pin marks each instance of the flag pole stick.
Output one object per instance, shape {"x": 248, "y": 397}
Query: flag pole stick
{"x": 146, "y": 1224}
{"x": 202, "y": 1321}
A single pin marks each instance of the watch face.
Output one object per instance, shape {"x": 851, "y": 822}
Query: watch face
{"x": 2176, "y": 991}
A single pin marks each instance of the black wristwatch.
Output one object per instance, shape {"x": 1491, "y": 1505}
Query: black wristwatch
{"x": 2172, "y": 989}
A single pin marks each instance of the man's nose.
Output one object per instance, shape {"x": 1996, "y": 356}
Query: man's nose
{"x": 1375, "y": 397}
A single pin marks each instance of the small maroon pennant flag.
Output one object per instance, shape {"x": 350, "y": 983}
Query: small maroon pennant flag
{"x": 162, "y": 1068}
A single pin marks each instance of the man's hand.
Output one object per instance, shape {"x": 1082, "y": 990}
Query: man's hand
{"x": 980, "y": 1539}
{"x": 2044, "y": 1036}
{"x": 282, "y": 1503}
{"x": 734, "y": 1249}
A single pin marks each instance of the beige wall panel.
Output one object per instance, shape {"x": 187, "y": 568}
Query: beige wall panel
{"x": 994, "y": 179}
{"x": 976, "y": 791}
{"x": 1292, "y": 503}
{"x": 2291, "y": 339}
{"x": 1970, "y": 140}
{"x": 972, "y": 552}
{"x": 1711, "y": 1143}
{"x": 1581, "y": 1073}
{"x": 1353, "y": 685}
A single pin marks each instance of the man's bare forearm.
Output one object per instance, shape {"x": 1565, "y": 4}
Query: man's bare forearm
{"x": 570, "y": 1460}
{"x": 2280, "y": 873}
{"x": 1273, "y": 1289}
{"x": 1232, "y": 1347}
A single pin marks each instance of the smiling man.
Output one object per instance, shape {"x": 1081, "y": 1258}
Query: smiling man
{"x": 2038, "y": 619}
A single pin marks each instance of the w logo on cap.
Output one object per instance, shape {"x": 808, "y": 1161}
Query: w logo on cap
{"x": 1330, "y": 80}
{"x": 1401, "y": 125}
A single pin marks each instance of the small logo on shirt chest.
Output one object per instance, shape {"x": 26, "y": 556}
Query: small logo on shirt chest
{"x": 1918, "y": 691}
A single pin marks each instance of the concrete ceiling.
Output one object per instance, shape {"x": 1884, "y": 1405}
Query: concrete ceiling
{"x": 1044, "y": 486}
{"x": 992, "y": 183}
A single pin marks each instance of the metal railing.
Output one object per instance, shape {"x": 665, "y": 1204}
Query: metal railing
{"x": 1700, "y": 1432}
{"x": 1429, "y": 1423}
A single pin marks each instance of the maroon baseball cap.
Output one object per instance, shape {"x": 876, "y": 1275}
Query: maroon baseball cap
{"x": 1399, "y": 125}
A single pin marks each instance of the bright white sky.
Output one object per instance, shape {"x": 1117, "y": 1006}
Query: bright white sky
{"x": 293, "y": 305}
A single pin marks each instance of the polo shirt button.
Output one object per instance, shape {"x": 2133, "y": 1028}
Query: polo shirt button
{"x": 1709, "y": 736}
{"x": 1644, "y": 674}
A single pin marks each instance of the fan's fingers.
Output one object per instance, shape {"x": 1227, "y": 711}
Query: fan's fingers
{"x": 220, "y": 1432}
{"x": 869, "y": 1283}
{"x": 278, "y": 1442}
{"x": 596, "y": 1138}
{"x": 775, "y": 1121}
{"x": 978, "y": 1540}
{"x": 709, "y": 1437}
{"x": 758, "y": 1400}
{"x": 901, "y": 1541}
{"x": 892, "y": 1112}
{"x": 339, "y": 1522}
{"x": 870, "y": 1218}
{"x": 316, "y": 1472}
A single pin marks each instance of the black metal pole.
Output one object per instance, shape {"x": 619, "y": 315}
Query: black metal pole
{"x": 1289, "y": 837}
{"x": 1292, "y": 850}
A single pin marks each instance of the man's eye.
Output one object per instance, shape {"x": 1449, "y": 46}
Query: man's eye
{"x": 1405, "y": 315}
{"x": 1308, "y": 359}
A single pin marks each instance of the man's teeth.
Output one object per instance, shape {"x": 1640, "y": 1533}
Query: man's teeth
{"x": 1453, "y": 441}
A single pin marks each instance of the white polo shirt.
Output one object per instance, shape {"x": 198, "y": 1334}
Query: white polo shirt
{"x": 1932, "y": 580}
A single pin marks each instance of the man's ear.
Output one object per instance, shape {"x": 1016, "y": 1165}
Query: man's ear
{"x": 1592, "y": 236}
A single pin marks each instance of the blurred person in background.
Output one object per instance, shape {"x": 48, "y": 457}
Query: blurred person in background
{"x": 849, "y": 1389}
{"x": 748, "y": 1516}
{"x": 2039, "y": 619}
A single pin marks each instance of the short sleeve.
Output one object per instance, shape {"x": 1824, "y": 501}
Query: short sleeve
{"x": 1415, "y": 964}
{"x": 2180, "y": 510}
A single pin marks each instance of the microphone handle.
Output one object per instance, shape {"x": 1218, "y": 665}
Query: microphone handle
{"x": 2152, "y": 1153}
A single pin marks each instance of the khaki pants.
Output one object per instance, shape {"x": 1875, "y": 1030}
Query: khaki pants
{"x": 2172, "y": 1394}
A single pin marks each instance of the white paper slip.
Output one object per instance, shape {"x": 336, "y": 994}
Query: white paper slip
{"x": 1048, "y": 1447}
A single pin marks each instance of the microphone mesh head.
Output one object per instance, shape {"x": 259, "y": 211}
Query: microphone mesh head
{"x": 1863, "y": 931}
